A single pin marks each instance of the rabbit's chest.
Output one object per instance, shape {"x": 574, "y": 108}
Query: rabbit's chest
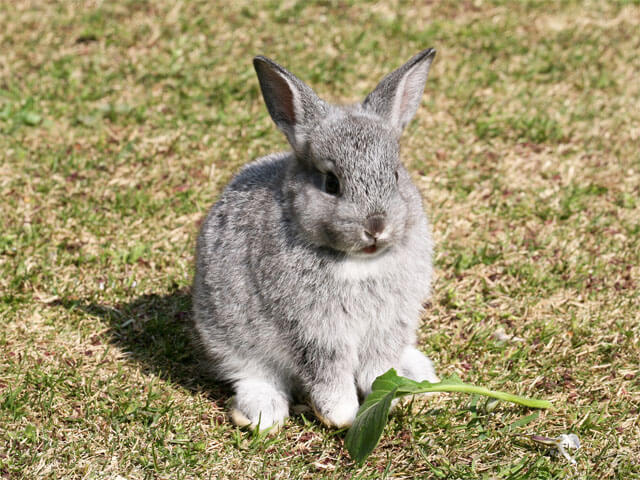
{"x": 371, "y": 305}
{"x": 355, "y": 270}
{"x": 374, "y": 303}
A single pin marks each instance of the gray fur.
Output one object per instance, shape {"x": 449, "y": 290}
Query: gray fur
{"x": 285, "y": 299}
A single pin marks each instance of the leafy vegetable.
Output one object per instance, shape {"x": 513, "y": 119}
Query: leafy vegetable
{"x": 372, "y": 416}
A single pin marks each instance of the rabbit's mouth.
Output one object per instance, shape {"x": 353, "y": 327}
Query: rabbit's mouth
{"x": 370, "y": 249}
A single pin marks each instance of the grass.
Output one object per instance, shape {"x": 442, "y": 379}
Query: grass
{"x": 120, "y": 123}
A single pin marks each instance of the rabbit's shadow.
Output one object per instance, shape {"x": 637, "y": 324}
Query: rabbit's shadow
{"x": 153, "y": 330}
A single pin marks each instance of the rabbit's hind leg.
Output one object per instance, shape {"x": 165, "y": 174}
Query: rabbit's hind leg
{"x": 261, "y": 402}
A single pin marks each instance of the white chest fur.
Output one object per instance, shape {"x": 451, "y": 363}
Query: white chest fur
{"x": 354, "y": 268}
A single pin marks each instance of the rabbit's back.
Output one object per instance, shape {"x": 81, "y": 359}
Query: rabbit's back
{"x": 228, "y": 312}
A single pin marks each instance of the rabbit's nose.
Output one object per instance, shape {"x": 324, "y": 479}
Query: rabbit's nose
{"x": 374, "y": 225}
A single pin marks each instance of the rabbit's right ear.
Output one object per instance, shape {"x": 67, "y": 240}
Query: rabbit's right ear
{"x": 291, "y": 103}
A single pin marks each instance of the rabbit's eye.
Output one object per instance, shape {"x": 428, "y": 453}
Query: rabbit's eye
{"x": 396, "y": 174}
{"x": 331, "y": 184}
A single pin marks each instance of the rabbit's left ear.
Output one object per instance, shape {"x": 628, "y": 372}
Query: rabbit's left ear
{"x": 397, "y": 96}
{"x": 292, "y": 104}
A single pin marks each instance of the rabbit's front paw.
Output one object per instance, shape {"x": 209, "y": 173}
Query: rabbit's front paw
{"x": 338, "y": 412}
{"x": 259, "y": 404}
{"x": 417, "y": 366}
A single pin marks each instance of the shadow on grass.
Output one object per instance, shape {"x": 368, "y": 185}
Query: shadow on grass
{"x": 154, "y": 330}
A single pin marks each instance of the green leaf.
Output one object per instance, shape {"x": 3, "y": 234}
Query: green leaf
{"x": 520, "y": 422}
{"x": 372, "y": 416}
{"x": 364, "y": 434}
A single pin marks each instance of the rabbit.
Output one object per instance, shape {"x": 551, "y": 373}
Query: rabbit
{"x": 313, "y": 265}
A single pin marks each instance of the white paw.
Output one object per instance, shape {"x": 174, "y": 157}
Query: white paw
{"x": 417, "y": 366}
{"x": 340, "y": 414}
{"x": 263, "y": 417}
{"x": 259, "y": 405}
{"x": 263, "y": 422}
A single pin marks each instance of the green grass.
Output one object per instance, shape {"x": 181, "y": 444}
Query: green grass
{"x": 120, "y": 123}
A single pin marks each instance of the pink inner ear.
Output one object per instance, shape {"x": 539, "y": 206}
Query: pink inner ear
{"x": 283, "y": 96}
{"x": 410, "y": 95}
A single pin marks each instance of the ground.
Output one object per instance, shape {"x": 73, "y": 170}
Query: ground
{"x": 120, "y": 123}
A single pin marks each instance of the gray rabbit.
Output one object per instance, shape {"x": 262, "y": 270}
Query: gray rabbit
{"x": 313, "y": 265}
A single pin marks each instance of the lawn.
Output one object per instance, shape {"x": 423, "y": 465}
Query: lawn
{"x": 120, "y": 123}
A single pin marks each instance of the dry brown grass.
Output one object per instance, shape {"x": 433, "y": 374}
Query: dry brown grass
{"x": 121, "y": 122}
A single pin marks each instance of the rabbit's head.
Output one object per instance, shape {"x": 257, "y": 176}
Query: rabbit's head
{"x": 346, "y": 188}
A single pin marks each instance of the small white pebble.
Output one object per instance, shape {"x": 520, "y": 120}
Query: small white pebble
{"x": 568, "y": 441}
